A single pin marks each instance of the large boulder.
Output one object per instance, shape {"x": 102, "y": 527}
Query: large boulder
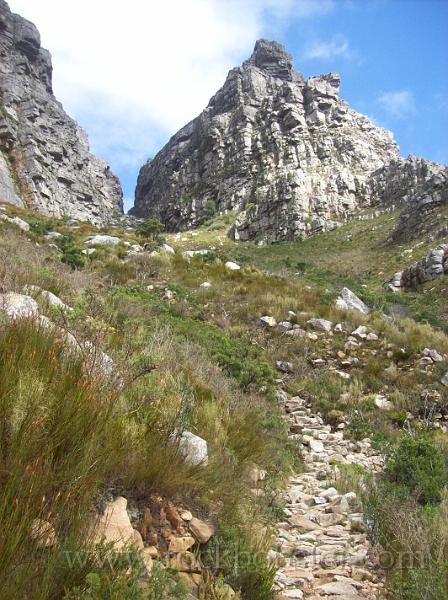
{"x": 18, "y": 306}
{"x": 193, "y": 448}
{"x": 114, "y": 526}
{"x": 48, "y": 297}
{"x": 347, "y": 300}
{"x": 17, "y": 221}
{"x": 102, "y": 240}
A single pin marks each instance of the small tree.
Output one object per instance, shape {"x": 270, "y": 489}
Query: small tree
{"x": 150, "y": 229}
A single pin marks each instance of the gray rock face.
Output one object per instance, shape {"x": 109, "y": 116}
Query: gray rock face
{"x": 433, "y": 265}
{"x": 288, "y": 154}
{"x": 45, "y": 161}
{"x": 426, "y": 207}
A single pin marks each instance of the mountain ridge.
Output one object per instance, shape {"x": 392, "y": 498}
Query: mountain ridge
{"x": 287, "y": 153}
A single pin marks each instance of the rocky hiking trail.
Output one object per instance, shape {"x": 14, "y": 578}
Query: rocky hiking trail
{"x": 320, "y": 544}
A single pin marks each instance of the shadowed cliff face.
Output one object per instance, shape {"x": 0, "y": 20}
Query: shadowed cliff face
{"x": 289, "y": 154}
{"x": 45, "y": 161}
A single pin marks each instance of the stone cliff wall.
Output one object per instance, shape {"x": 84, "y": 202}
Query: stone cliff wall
{"x": 45, "y": 161}
{"x": 288, "y": 154}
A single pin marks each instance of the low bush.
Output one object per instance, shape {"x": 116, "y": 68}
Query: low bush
{"x": 418, "y": 468}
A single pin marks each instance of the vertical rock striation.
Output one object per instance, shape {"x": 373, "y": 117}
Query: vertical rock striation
{"x": 45, "y": 161}
{"x": 285, "y": 152}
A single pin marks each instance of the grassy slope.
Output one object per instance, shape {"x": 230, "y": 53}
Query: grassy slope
{"x": 221, "y": 383}
{"x": 355, "y": 255}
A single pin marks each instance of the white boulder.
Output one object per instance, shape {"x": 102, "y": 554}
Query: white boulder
{"x": 18, "y": 306}
{"x": 382, "y": 402}
{"x": 232, "y": 266}
{"x": 320, "y": 324}
{"x": 192, "y": 253}
{"x": 20, "y": 223}
{"x": 268, "y": 321}
{"x": 49, "y": 297}
{"x": 347, "y": 300}
{"x": 102, "y": 240}
{"x": 168, "y": 249}
{"x": 193, "y": 448}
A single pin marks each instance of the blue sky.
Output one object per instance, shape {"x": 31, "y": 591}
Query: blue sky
{"x": 133, "y": 77}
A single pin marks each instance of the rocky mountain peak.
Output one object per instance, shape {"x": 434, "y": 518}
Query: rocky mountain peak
{"x": 288, "y": 155}
{"x": 45, "y": 162}
{"x": 272, "y": 58}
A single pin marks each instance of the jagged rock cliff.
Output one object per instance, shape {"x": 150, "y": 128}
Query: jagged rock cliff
{"x": 288, "y": 154}
{"x": 431, "y": 266}
{"x": 45, "y": 161}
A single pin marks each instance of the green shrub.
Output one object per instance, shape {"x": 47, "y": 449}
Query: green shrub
{"x": 150, "y": 229}
{"x": 71, "y": 252}
{"x": 42, "y": 227}
{"x": 241, "y": 556}
{"x": 418, "y": 467}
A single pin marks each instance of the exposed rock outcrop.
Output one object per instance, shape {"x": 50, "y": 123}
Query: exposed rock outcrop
{"x": 45, "y": 161}
{"x": 433, "y": 265}
{"x": 425, "y": 210}
{"x": 288, "y": 154}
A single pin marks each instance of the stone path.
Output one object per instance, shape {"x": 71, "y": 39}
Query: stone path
{"x": 321, "y": 545}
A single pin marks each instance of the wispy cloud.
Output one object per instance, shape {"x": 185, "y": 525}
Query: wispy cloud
{"x": 338, "y": 46}
{"x": 399, "y": 104}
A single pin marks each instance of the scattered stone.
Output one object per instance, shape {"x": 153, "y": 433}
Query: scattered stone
{"x": 181, "y": 544}
{"x": 444, "y": 379}
{"x": 302, "y": 524}
{"x": 231, "y": 266}
{"x": 284, "y": 366}
{"x": 361, "y": 332}
{"x": 193, "y": 448}
{"x": 284, "y": 326}
{"x": 432, "y": 354}
{"x": 339, "y": 588}
{"x": 147, "y": 555}
{"x": 320, "y": 324}
{"x": 168, "y": 249}
{"x": 193, "y": 253}
{"x": 316, "y": 445}
{"x": 114, "y": 526}
{"x": 186, "y": 562}
{"x": 382, "y": 402}
{"x": 347, "y": 300}
{"x": 268, "y": 321}
{"x": 298, "y": 332}
{"x": 201, "y": 531}
{"x": 49, "y": 297}
{"x": 51, "y": 235}
{"x": 206, "y": 285}
{"x": 186, "y": 515}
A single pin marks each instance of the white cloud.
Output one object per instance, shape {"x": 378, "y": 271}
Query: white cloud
{"x": 399, "y": 104}
{"x": 338, "y": 46}
{"x": 132, "y": 73}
